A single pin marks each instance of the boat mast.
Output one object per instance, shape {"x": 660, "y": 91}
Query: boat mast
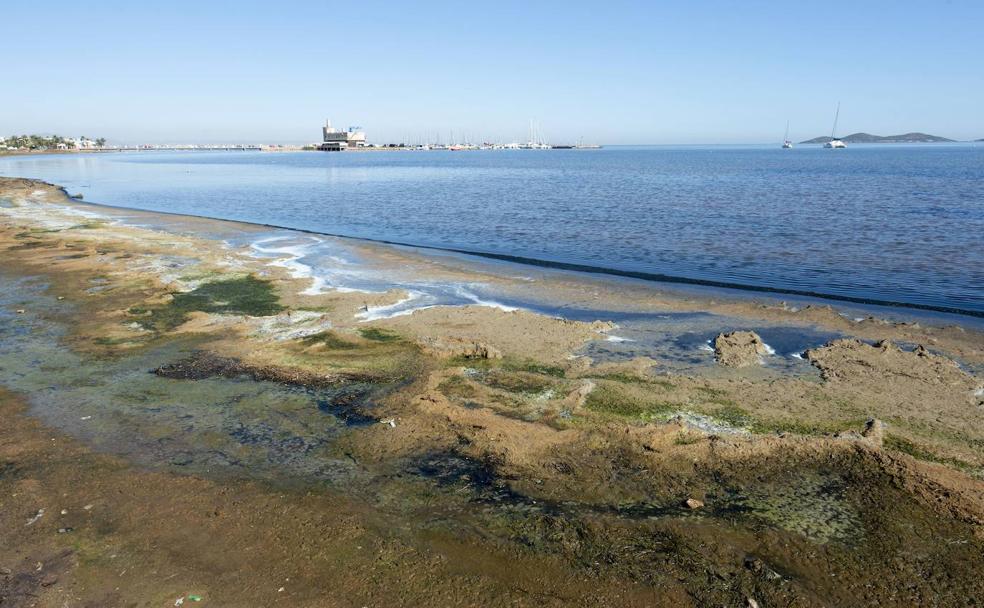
{"x": 786, "y": 136}
{"x": 836, "y": 117}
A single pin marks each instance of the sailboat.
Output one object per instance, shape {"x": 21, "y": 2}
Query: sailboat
{"x": 834, "y": 142}
{"x": 786, "y": 144}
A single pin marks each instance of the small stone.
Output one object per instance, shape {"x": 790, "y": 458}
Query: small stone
{"x": 48, "y": 580}
{"x": 21, "y": 311}
{"x": 751, "y": 603}
{"x": 5, "y": 571}
{"x": 61, "y": 297}
{"x": 693, "y": 503}
{"x": 65, "y": 530}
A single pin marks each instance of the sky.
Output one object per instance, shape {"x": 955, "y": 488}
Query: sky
{"x": 612, "y": 72}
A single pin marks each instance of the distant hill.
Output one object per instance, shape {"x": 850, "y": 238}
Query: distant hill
{"x": 868, "y": 138}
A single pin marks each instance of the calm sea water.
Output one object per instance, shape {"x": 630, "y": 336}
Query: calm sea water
{"x": 890, "y": 223}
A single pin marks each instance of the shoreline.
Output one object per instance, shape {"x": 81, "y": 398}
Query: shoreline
{"x": 463, "y": 445}
{"x": 658, "y": 280}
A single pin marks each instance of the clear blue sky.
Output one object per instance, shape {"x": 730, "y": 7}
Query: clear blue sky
{"x": 613, "y": 72}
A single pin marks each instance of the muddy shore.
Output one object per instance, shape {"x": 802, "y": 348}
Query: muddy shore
{"x": 187, "y": 420}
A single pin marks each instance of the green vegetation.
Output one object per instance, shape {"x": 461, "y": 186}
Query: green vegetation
{"x": 377, "y": 334}
{"x": 518, "y": 381}
{"x": 631, "y": 379}
{"x": 246, "y": 296}
{"x": 621, "y": 400}
{"x": 40, "y": 142}
{"x": 328, "y": 339}
{"x": 900, "y": 444}
{"x": 804, "y": 427}
{"x": 457, "y": 387}
{"x": 734, "y": 416}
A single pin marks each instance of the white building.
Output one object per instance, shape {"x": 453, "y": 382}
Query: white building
{"x": 335, "y": 139}
{"x": 84, "y": 143}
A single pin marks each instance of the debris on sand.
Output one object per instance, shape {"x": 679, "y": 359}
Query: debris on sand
{"x": 739, "y": 348}
{"x": 36, "y": 517}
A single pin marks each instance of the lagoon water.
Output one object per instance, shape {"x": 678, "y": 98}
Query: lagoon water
{"x": 889, "y": 223}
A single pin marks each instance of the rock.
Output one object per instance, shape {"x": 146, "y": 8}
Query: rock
{"x": 874, "y": 431}
{"x": 751, "y": 603}
{"x": 693, "y": 503}
{"x": 447, "y": 349}
{"x": 21, "y": 311}
{"x": 739, "y": 348}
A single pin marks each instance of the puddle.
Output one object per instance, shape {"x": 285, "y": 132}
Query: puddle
{"x": 683, "y": 343}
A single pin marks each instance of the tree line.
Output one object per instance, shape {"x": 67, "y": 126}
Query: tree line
{"x": 40, "y": 142}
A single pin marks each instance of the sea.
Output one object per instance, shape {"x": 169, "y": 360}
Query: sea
{"x": 893, "y": 224}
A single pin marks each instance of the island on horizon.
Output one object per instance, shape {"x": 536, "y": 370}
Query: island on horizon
{"x": 868, "y": 138}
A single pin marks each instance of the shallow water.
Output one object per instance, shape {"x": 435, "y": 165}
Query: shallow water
{"x": 897, "y": 223}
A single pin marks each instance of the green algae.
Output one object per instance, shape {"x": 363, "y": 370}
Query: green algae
{"x": 329, "y": 340}
{"x": 517, "y": 382}
{"x": 457, "y": 387}
{"x": 245, "y": 296}
{"x": 734, "y": 416}
{"x": 620, "y": 400}
{"x": 632, "y": 379}
{"x": 377, "y": 334}
{"x": 900, "y": 444}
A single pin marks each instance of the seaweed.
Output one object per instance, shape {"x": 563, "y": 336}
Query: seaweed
{"x": 328, "y": 339}
{"x": 246, "y": 296}
{"x": 900, "y": 444}
{"x": 612, "y": 398}
{"x": 377, "y": 334}
{"x": 457, "y": 387}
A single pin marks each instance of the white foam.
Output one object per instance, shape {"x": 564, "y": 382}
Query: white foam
{"x": 797, "y": 356}
{"x": 768, "y": 349}
{"x": 979, "y": 392}
{"x": 618, "y": 339}
{"x": 706, "y": 347}
{"x": 293, "y": 253}
{"x": 396, "y": 309}
{"x": 476, "y": 300}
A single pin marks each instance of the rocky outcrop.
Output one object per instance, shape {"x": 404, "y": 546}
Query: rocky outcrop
{"x": 854, "y": 360}
{"x": 739, "y": 348}
{"x": 449, "y": 348}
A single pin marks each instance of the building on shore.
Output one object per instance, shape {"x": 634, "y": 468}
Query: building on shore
{"x": 335, "y": 140}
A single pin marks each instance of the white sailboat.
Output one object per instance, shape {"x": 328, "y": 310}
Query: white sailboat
{"x": 786, "y": 144}
{"x": 834, "y": 142}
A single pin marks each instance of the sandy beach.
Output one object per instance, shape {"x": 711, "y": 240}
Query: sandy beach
{"x": 191, "y": 417}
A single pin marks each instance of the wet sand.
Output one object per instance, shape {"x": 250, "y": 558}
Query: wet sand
{"x": 235, "y": 427}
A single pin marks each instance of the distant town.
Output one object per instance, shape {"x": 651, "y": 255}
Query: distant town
{"x": 355, "y": 139}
